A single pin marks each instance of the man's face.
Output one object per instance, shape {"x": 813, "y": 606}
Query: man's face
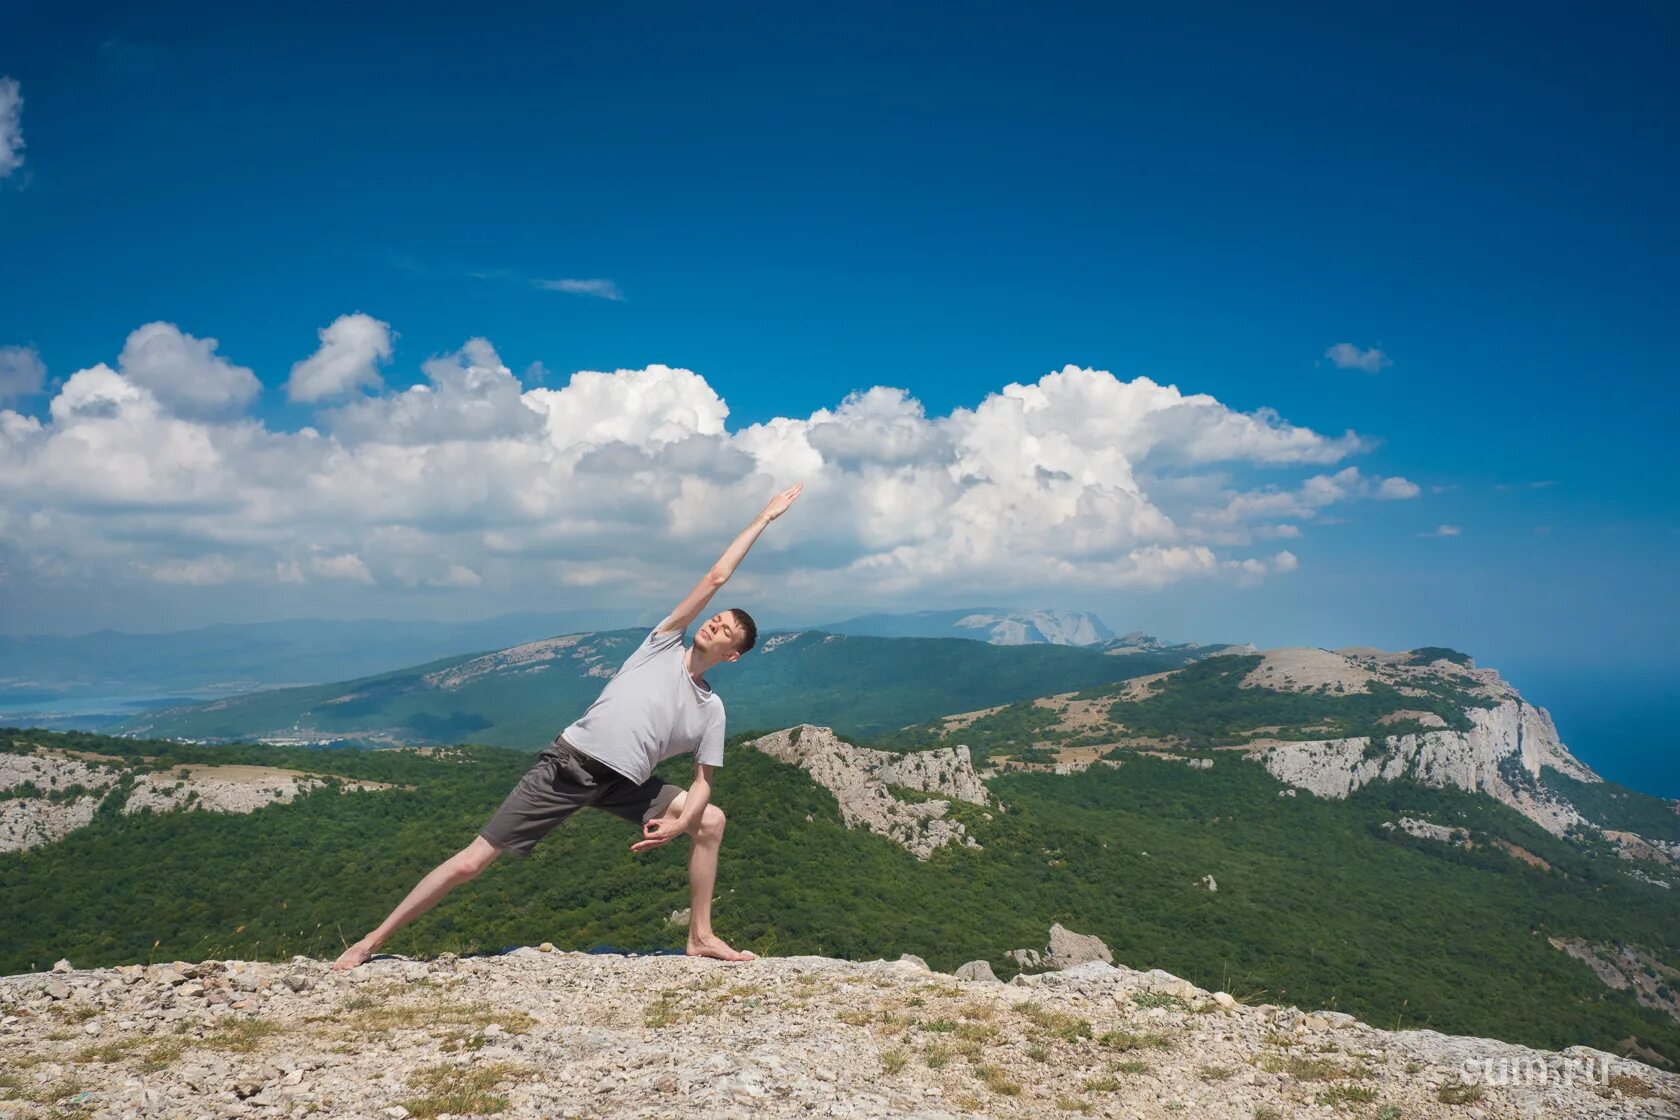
{"x": 719, "y": 634}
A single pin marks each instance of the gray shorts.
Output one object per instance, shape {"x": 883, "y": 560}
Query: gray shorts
{"x": 563, "y": 781}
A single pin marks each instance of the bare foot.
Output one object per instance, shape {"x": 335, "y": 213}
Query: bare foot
{"x": 353, "y": 956}
{"x": 717, "y": 949}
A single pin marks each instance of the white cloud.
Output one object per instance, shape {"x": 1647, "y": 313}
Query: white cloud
{"x": 184, "y": 373}
{"x": 202, "y": 571}
{"x": 1443, "y": 531}
{"x": 599, "y": 287}
{"x": 1229, "y": 523}
{"x": 21, "y": 372}
{"x": 1345, "y": 355}
{"x": 627, "y": 482}
{"x": 1393, "y": 489}
{"x": 11, "y": 127}
{"x": 346, "y": 567}
{"x": 352, "y": 347}
{"x": 472, "y": 396}
{"x": 457, "y": 576}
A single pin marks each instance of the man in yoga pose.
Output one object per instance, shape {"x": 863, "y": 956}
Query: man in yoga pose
{"x": 659, "y": 705}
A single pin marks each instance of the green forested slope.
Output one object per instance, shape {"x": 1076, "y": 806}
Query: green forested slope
{"x": 1317, "y": 904}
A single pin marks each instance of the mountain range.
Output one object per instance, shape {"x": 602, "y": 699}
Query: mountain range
{"x": 1400, "y": 834}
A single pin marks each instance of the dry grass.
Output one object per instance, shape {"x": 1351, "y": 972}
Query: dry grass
{"x": 1629, "y": 1085}
{"x": 997, "y": 1081}
{"x": 435, "y": 1014}
{"x": 893, "y": 1060}
{"x": 1312, "y": 1069}
{"x": 1136, "y": 1040}
{"x": 1068, "y": 1028}
{"x": 1460, "y": 1093}
{"x": 1149, "y": 1000}
{"x": 936, "y": 1056}
{"x": 241, "y": 1035}
{"x": 462, "y": 1090}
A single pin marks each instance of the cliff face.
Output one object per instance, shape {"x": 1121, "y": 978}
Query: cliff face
{"x": 544, "y": 1034}
{"x": 861, "y": 781}
{"x": 1502, "y": 755}
{"x": 65, "y": 791}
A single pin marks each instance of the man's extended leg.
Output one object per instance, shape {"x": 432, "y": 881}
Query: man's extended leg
{"x": 457, "y": 869}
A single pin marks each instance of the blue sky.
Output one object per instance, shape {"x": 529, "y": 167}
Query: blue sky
{"x": 943, "y": 201}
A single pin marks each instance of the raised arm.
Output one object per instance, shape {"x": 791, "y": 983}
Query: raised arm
{"x": 695, "y": 601}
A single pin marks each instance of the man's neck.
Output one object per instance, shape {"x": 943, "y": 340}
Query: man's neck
{"x": 698, "y": 663}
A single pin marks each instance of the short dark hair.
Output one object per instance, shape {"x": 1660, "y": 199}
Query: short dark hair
{"x": 749, "y": 630}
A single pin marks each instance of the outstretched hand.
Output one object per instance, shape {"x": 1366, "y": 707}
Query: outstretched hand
{"x": 660, "y": 830}
{"x": 779, "y": 504}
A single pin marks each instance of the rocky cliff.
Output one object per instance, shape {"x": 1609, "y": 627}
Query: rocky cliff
{"x": 863, "y": 782}
{"x": 558, "y": 1034}
{"x": 1502, "y": 755}
{"x": 49, "y": 794}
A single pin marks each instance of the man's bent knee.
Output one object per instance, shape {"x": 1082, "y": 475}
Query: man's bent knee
{"x": 712, "y": 822}
{"x": 475, "y": 857}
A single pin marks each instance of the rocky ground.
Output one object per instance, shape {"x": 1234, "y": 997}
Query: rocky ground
{"x": 541, "y": 1033}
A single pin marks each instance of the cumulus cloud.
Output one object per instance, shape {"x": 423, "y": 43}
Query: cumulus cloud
{"x": 626, "y": 482}
{"x": 352, "y": 347}
{"x": 1345, "y": 355}
{"x": 471, "y": 396}
{"x": 21, "y": 372}
{"x": 599, "y": 287}
{"x": 1231, "y": 522}
{"x": 185, "y": 374}
{"x": 11, "y": 127}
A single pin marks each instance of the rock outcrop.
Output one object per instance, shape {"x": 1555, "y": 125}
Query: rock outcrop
{"x": 862, "y": 781}
{"x": 1502, "y": 755}
{"x": 533, "y": 1034}
{"x": 1067, "y": 949}
{"x": 64, "y": 792}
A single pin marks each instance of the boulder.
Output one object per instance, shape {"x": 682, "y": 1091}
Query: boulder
{"x": 977, "y": 970}
{"x": 1067, "y": 948}
{"x": 911, "y": 958}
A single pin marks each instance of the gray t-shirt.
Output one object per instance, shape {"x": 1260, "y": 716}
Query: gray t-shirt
{"x": 650, "y": 711}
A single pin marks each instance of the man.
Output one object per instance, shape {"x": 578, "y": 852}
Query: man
{"x": 659, "y": 705}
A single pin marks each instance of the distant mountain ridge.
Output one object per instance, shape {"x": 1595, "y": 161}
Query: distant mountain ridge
{"x": 231, "y": 657}
{"x": 523, "y": 695}
{"x": 997, "y": 626}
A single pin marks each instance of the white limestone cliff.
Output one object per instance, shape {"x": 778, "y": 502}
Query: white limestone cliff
{"x": 860, "y": 779}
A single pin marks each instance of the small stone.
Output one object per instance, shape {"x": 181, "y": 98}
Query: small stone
{"x": 546, "y": 947}
{"x": 297, "y": 982}
{"x": 396, "y": 1112}
{"x": 495, "y": 1030}
{"x": 58, "y": 989}
{"x": 92, "y": 1027}
{"x": 1225, "y": 1000}
{"x": 62, "y": 966}
{"x": 245, "y": 982}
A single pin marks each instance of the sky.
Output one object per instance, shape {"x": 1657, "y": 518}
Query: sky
{"x": 1311, "y": 324}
